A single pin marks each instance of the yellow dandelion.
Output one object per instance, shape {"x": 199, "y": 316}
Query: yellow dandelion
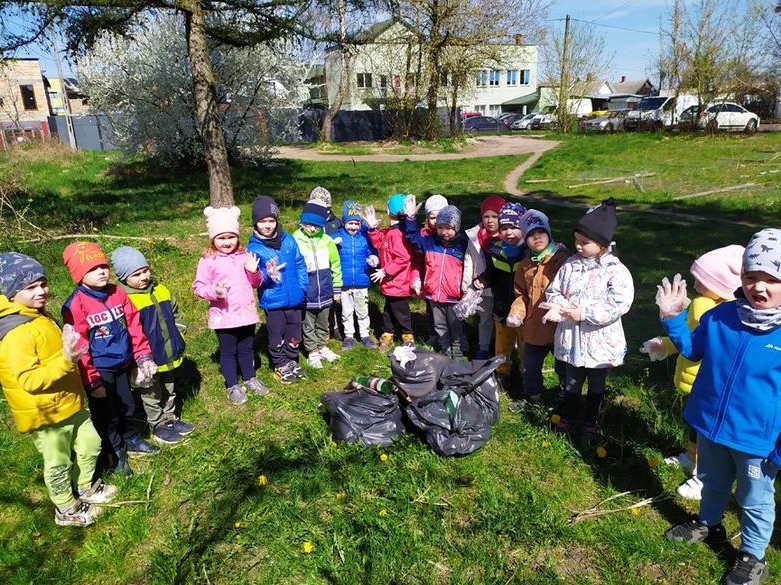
{"x": 546, "y": 443}
{"x": 383, "y": 512}
{"x": 262, "y": 480}
{"x": 555, "y": 419}
{"x": 94, "y": 229}
{"x": 332, "y": 443}
{"x": 307, "y": 547}
{"x": 635, "y": 511}
{"x": 237, "y": 524}
{"x": 383, "y": 457}
{"x": 601, "y": 452}
{"x": 339, "y": 495}
{"x": 653, "y": 461}
{"x": 29, "y": 200}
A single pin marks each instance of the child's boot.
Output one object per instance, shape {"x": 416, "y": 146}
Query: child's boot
{"x": 122, "y": 467}
{"x": 569, "y": 409}
{"x": 386, "y": 342}
{"x": 408, "y": 340}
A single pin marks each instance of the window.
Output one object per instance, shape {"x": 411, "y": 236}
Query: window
{"x": 493, "y": 78}
{"x": 526, "y": 76}
{"x": 494, "y": 110}
{"x": 512, "y": 77}
{"x": 384, "y": 81}
{"x": 28, "y": 97}
{"x": 364, "y": 80}
{"x": 482, "y": 78}
{"x": 443, "y": 79}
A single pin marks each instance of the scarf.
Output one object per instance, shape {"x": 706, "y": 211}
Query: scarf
{"x": 485, "y": 239}
{"x": 549, "y": 250}
{"x": 761, "y": 320}
{"x": 274, "y": 241}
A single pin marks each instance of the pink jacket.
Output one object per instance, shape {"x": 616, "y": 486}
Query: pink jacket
{"x": 239, "y": 307}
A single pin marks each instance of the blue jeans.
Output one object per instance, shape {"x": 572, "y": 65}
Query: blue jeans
{"x": 718, "y": 467}
{"x": 533, "y": 358}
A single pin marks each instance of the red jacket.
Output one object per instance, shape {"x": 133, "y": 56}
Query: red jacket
{"x": 111, "y": 324}
{"x": 396, "y": 258}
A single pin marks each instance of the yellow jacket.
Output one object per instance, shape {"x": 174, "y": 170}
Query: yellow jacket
{"x": 41, "y": 386}
{"x": 685, "y": 370}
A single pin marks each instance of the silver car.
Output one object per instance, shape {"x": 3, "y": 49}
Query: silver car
{"x": 523, "y": 123}
{"x": 611, "y": 122}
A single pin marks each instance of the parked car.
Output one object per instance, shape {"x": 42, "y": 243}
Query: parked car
{"x": 659, "y": 112}
{"x": 610, "y": 122}
{"x": 690, "y": 117}
{"x": 507, "y": 119}
{"x": 482, "y": 124}
{"x": 729, "y": 116}
{"x": 523, "y": 123}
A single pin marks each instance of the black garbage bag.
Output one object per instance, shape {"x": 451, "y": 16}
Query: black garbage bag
{"x": 457, "y": 419}
{"x": 362, "y": 414}
{"x": 420, "y": 377}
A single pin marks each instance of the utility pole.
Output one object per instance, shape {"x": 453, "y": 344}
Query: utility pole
{"x": 65, "y": 101}
{"x": 562, "y": 114}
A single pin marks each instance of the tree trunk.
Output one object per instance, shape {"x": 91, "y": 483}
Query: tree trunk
{"x": 344, "y": 75}
{"x": 209, "y": 119}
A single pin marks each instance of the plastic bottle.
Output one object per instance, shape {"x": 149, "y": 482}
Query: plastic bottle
{"x": 380, "y": 385}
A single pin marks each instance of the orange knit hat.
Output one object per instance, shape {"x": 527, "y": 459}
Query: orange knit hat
{"x": 81, "y": 257}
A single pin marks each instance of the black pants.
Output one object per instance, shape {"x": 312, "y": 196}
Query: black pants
{"x": 284, "y": 335}
{"x": 396, "y": 314}
{"x": 597, "y": 380}
{"x": 236, "y": 350}
{"x": 115, "y": 416}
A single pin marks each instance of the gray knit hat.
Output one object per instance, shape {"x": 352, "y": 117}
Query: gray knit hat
{"x": 533, "y": 220}
{"x": 763, "y": 253}
{"x": 126, "y": 260}
{"x": 449, "y": 215}
{"x": 17, "y": 272}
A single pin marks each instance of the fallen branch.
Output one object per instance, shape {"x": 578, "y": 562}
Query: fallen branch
{"x": 611, "y": 180}
{"x": 96, "y": 235}
{"x": 593, "y": 512}
{"x": 714, "y": 191}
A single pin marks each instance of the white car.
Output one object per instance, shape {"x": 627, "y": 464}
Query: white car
{"x": 523, "y": 123}
{"x": 729, "y": 116}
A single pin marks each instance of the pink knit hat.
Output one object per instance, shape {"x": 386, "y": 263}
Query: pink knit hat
{"x": 719, "y": 270}
{"x": 222, "y": 220}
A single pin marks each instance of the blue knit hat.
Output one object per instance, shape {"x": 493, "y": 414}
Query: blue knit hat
{"x": 351, "y": 211}
{"x": 314, "y": 214}
{"x": 17, "y": 272}
{"x": 126, "y": 260}
{"x": 532, "y": 220}
{"x": 510, "y": 214}
{"x": 396, "y": 204}
{"x": 449, "y": 215}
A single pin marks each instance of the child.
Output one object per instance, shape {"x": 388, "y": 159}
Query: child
{"x": 531, "y": 279}
{"x": 102, "y": 314}
{"x": 432, "y": 206}
{"x": 396, "y": 275}
{"x": 283, "y": 290}
{"x": 325, "y": 282}
{"x": 716, "y": 277}
{"x": 355, "y": 254}
{"x": 226, "y": 277}
{"x": 587, "y": 298}
{"x": 734, "y": 403}
{"x": 447, "y": 263}
{"x": 481, "y": 237}
{"x": 502, "y": 259}
{"x": 332, "y": 225}
{"x": 42, "y": 386}
{"x": 158, "y": 309}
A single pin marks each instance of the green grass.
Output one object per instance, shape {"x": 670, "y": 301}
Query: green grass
{"x": 501, "y": 515}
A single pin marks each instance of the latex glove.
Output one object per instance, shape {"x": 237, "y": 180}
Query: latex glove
{"x": 574, "y": 313}
{"x": 145, "y": 372}
{"x": 274, "y": 270}
{"x": 410, "y": 207}
{"x": 372, "y": 261}
{"x": 338, "y": 298}
{"x": 671, "y": 297}
{"x": 377, "y": 275}
{"x": 513, "y": 321}
{"x": 98, "y": 391}
{"x": 370, "y": 216}
{"x": 72, "y": 346}
{"x": 478, "y": 284}
{"x": 251, "y": 265}
{"x": 554, "y": 314}
{"x": 220, "y": 290}
{"x": 654, "y": 348}
{"x": 337, "y": 240}
{"x": 416, "y": 287}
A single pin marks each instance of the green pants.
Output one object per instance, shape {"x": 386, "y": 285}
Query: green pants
{"x": 56, "y": 443}
{"x": 160, "y": 398}
{"x": 314, "y": 329}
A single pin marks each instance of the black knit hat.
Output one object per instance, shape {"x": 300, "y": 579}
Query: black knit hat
{"x": 599, "y": 223}
{"x": 263, "y": 207}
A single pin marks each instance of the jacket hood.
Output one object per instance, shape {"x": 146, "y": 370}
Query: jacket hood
{"x": 13, "y": 314}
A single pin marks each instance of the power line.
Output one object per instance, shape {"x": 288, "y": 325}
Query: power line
{"x": 591, "y": 22}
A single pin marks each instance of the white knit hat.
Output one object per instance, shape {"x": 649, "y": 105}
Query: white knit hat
{"x": 222, "y": 220}
{"x": 435, "y": 203}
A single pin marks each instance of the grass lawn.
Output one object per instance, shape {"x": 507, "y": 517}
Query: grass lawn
{"x": 260, "y": 494}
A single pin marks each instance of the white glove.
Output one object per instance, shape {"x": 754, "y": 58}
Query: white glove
{"x": 416, "y": 287}
{"x": 145, "y": 373}
{"x": 513, "y": 321}
{"x": 377, "y": 275}
{"x": 337, "y": 240}
{"x": 554, "y": 314}
{"x": 671, "y": 297}
{"x": 372, "y": 261}
{"x": 370, "y": 216}
{"x": 274, "y": 270}
{"x": 410, "y": 207}
{"x": 654, "y": 348}
{"x": 72, "y": 348}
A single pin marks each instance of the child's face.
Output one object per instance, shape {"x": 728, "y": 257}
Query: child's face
{"x": 537, "y": 240}
{"x": 310, "y": 229}
{"x": 352, "y": 227}
{"x": 510, "y": 234}
{"x": 431, "y": 220}
{"x": 446, "y": 232}
{"x": 762, "y": 290}
{"x": 491, "y": 222}
{"x": 140, "y": 278}
{"x": 97, "y": 278}
{"x": 586, "y": 247}
{"x": 266, "y": 226}
{"x": 226, "y": 243}
{"x": 34, "y": 295}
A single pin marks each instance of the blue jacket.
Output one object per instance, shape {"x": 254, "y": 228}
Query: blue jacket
{"x": 736, "y": 398}
{"x": 290, "y": 292}
{"x": 353, "y": 252}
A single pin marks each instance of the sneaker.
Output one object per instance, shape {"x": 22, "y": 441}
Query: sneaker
{"x": 386, "y": 342}
{"x": 256, "y": 386}
{"x": 165, "y": 432}
{"x": 285, "y": 373}
{"x": 77, "y": 514}
{"x": 681, "y": 460}
{"x": 297, "y": 370}
{"x": 183, "y": 428}
{"x": 408, "y": 340}
{"x": 527, "y": 403}
{"x": 119, "y": 465}
{"x": 368, "y": 343}
{"x": 348, "y": 343}
{"x": 98, "y": 493}
{"x": 458, "y": 355}
{"x": 138, "y": 445}
{"x": 691, "y": 489}
{"x": 315, "y": 360}
{"x": 747, "y": 570}
{"x": 482, "y": 354}
{"x": 237, "y": 394}
{"x": 328, "y": 355}
{"x": 693, "y": 531}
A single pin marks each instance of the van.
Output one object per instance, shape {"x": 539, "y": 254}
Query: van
{"x": 659, "y": 112}
{"x": 547, "y": 116}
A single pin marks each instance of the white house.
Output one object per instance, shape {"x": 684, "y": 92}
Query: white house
{"x": 387, "y": 63}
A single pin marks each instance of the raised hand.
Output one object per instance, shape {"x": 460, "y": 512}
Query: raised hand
{"x": 370, "y": 216}
{"x": 654, "y": 347}
{"x": 252, "y": 263}
{"x": 410, "y": 207}
{"x": 671, "y": 297}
